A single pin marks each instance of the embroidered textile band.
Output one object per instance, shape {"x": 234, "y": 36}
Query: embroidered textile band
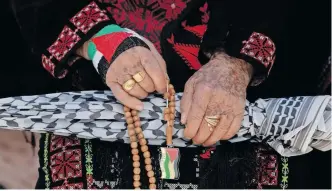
{"x": 108, "y": 44}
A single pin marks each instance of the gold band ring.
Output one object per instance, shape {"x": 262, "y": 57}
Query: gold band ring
{"x": 212, "y": 121}
{"x": 128, "y": 85}
{"x": 139, "y": 77}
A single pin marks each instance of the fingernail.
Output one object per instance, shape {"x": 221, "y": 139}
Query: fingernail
{"x": 183, "y": 119}
{"x": 139, "y": 107}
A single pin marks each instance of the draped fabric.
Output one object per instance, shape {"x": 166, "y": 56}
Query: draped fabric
{"x": 292, "y": 126}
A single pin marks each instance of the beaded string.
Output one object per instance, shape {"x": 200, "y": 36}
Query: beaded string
{"x": 136, "y": 136}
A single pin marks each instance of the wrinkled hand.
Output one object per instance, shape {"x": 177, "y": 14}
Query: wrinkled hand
{"x": 217, "y": 89}
{"x": 129, "y": 63}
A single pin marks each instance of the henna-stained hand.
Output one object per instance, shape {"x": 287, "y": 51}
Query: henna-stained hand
{"x": 126, "y": 65}
{"x": 217, "y": 89}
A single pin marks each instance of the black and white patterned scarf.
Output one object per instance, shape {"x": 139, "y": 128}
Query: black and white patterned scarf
{"x": 292, "y": 126}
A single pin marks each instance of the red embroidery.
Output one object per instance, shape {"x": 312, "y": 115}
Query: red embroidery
{"x": 88, "y": 17}
{"x": 173, "y": 8}
{"x": 107, "y": 44}
{"x": 66, "y": 164}
{"x": 261, "y": 48}
{"x": 89, "y": 180}
{"x": 58, "y": 142}
{"x": 188, "y": 52}
{"x": 268, "y": 171}
{"x": 71, "y": 186}
{"x": 205, "y": 17}
{"x": 48, "y": 64}
{"x": 84, "y": 20}
{"x": 207, "y": 153}
{"x": 198, "y": 30}
{"x": 65, "y": 42}
{"x": 146, "y": 18}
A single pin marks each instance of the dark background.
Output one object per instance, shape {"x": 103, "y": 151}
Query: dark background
{"x": 306, "y": 45}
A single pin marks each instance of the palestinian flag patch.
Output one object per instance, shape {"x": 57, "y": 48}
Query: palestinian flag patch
{"x": 169, "y": 163}
{"x": 108, "y": 44}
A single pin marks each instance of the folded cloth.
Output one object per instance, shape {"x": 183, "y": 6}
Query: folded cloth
{"x": 292, "y": 126}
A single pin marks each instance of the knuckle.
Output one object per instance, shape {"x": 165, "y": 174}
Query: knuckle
{"x": 145, "y": 60}
{"x": 188, "y": 85}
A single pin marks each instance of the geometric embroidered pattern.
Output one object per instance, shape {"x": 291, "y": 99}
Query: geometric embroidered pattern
{"x": 48, "y": 64}
{"x": 269, "y": 170}
{"x": 84, "y": 20}
{"x": 67, "y": 186}
{"x": 261, "y": 48}
{"x": 88, "y": 17}
{"x": 66, "y": 164}
{"x": 65, "y": 42}
{"x": 58, "y": 142}
{"x": 173, "y": 186}
{"x": 188, "y": 52}
{"x": 198, "y": 30}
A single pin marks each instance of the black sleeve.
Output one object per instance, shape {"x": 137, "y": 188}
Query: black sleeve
{"x": 54, "y": 29}
{"x": 249, "y": 30}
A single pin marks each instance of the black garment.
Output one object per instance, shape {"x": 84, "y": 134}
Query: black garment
{"x": 41, "y": 22}
{"x": 287, "y": 78}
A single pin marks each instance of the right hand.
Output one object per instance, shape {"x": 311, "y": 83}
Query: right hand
{"x": 126, "y": 65}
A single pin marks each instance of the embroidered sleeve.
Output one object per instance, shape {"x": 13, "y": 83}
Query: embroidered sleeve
{"x": 55, "y": 29}
{"x": 247, "y": 30}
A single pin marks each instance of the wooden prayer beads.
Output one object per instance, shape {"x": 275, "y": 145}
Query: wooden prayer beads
{"x": 137, "y": 137}
{"x": 169, "y": 113}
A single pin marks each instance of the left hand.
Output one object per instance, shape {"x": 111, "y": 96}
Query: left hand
{"x": 217, "y": 89}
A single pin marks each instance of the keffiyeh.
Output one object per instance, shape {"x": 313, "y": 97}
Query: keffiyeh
{"x": 292, "y": 126}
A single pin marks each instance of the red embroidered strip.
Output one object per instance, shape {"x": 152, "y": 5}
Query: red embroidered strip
{"x": 261, "y": 48}
{"x": 48, "y": 64}
{"x": 84, "y": 20}
{"x": 88, "y": 17}
{"x": 65, "y": 42}
{"x": 65, "y": 162}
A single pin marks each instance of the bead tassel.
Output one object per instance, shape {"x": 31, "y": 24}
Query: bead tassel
{"x": 137, "y": 137}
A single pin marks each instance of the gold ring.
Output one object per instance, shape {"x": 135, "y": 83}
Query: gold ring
{"x": 212, "y": 121}
{"x": 139, "y": 77}
{"x": 128, "y": 85}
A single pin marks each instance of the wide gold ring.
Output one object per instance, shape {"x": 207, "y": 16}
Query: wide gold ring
{"x": 128, "y": 85}
{"x": 212, "y": 121}
{"x": 139, "y": 77}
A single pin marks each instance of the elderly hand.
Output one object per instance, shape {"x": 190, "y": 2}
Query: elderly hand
{"x": 213, "y": 102}
{"x": 147, "y": 65}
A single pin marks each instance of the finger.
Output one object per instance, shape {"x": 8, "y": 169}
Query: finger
{"x": 124, "y": 97}
{"x": 153, "y": 69}
{"x": 197, "y": 111}
{"x": 186, "y": 100}
{"x": 234, "y": 127}
{"x": 219, "y": 131}
{"x": 203, "y": 133}
{"x": 146, "y": 83}
{"x": 137, "y": 91}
